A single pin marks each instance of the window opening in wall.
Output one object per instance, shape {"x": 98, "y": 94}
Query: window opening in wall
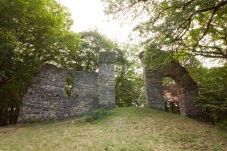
{"x": 171, "y": 95}
{"x": 68, "y": 85}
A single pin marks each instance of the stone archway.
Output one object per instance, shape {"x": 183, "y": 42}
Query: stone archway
{"x": 187, "y": 88}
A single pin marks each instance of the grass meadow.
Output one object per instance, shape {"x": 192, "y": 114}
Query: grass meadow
{"x": 124, "y": 129}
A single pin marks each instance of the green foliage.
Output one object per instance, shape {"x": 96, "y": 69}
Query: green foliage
{"x": 130, "y": 129}
{"x": 168, "y": 81}
{"x": 196, "y": 26}
{"x": 10, "y": 99}
{"x": 32, "y": 33}
{"x": 68, "y": 85}
{"x": 213, "y": 95}
{"x": 128, "y": 82}
{"x": 33, "y": 120}
{"x": 155, "y": 58}
{"x": 129, "y": 91}
{"x": 212, "y": 99}
{"x": 128, "y": 78}
{"x": 92, "y": 43}
{"x": 97, "y": 115}
{"x": 180, "y": 30}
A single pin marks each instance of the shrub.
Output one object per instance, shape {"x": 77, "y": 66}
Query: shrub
{"x": 33, "y": 120}
{"x": 212, "y": 97}
{"x": 97, "y": 115}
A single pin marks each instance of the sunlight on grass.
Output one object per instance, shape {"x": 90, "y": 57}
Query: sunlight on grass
{"x": 124, "y": 129}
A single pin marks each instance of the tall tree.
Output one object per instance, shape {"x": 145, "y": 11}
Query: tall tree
{"x": 128, "y": 83}
{"x": 32, "y": 33}
{"x": 128, "y": 78}
{"x": 92, "y": 43}
{"x": 196, "y": 27}
{"x": 212, "y": 98}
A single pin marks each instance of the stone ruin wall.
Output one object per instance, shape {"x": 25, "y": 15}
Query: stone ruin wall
{"x": 187, "y": 86}
{"x": 106, "y": 81}
{"x": 45, "y": 98}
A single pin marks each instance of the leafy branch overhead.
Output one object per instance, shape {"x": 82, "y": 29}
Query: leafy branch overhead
{"x": 198, "y": 27}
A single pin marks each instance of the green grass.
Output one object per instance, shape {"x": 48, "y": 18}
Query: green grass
{"x": 124, "y": 129}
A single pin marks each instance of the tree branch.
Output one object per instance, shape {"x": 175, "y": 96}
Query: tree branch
{"x": 218, "y": 52}
{"x": 189, "y": 19}
{"x": 186, "y": 4}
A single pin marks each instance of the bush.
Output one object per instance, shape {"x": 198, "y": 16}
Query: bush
{"x": 97, "y": 115}
{"x": 212, "y": 99}
{"x": 33, "y": 120}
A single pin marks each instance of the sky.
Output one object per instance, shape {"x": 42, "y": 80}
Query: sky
{"x": 88, "y": 14}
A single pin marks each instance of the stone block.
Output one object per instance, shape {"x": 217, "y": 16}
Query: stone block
{"x": 107, "y": 57}
{"x": 45, "y": 98}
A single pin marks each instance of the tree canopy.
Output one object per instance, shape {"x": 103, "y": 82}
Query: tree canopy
{"x": 92, "y": 43}
{"x": 32, "y": 33}
{"x": 128, "y": 83}
{"x": 196, "y": 27}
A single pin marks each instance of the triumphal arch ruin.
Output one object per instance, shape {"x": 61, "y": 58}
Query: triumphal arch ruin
{"x": 188, "y": 89}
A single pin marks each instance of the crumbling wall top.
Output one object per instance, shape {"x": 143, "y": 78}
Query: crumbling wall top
{"x": 107, "y": 57}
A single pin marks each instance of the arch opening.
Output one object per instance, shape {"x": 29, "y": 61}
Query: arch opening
{"x": 68, "y": 85}
{"x": 171, "y": 95}
{"x": 187, "y": 88}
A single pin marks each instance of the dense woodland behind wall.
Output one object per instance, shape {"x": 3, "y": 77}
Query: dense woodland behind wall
{"x": 188, "y": 89}
{"x": 41, "y": 35}
{"x": 32, "y": 33}
{"x": 51, "y": 96}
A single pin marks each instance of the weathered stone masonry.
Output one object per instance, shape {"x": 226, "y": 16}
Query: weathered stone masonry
{"x": 187, "y": 87}
{"x": 45, "y": 98}
{"x": 106, "y": 80}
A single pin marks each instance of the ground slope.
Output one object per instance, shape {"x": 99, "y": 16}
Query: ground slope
{"x": 133, "y": 129}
